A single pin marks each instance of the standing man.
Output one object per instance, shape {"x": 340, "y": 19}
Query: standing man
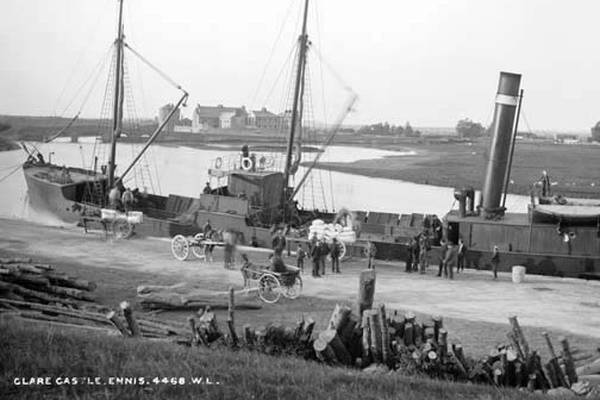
{"x": 127, "y": 200}
{"x": 423, "y": 252}
{"x": 207, "y": 230}
{"x": 207, "y": 188}
{"x": 228, "y": 250}
{"x": 495, "y": 261}
{"x": 335, "y": 256}
{"x": 278, "y": 243}
{"x": 315, "y": 256}
{"x": 409, "y": 256}
{"x": 443, "y": 251}
{"x": 462, "y": 253}
{"x": 545, "y": 182}
{"x": 300, "y": 256}
{"x": 450, "y": 260}
{"x": 371, "y": 252}
{"x": 114, "y": 198}
{"x": 323, "y": 252}
{"x": 415, "y": 253}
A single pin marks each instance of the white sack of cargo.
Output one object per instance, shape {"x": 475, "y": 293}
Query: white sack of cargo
{"x": 135, "y": 217}
{"x": 318, "y": 222}
{"x": 108, "y": 214}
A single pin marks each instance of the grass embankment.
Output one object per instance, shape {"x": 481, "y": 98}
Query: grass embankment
{"x": 37, "y": 351}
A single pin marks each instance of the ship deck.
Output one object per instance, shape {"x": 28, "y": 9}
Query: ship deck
{"x": 517, "y": 219}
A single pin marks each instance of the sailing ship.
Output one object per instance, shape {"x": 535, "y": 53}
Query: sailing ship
{"x": 256, "y": 195}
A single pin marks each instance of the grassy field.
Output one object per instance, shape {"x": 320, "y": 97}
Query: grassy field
{"x": 38, "y": 351}
{"x": 461, "y": 164}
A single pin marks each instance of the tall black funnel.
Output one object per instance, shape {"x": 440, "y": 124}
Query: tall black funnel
{"x": 502, "y": 129}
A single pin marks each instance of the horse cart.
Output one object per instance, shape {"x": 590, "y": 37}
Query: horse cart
{"x": 182, "y": 246}
{"x": 271, "y": 285}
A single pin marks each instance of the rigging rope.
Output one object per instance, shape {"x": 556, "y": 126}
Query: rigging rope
{"x": 153, "y": 67}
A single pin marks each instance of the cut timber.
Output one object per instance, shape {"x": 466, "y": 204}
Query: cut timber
{"x": 366, "y": 290}
{"x": 230, "y": 318}
{"x": 443, "y": 344}
{"x": 592, "y": 368}
{"x": 75, "y": 283}
{"x": 114, "y": 319}
{"x": 593, "y": 380}
{"x": 15, "y": 260}
{"x": 195, "y": 335}
{"x": 70, "y": 292}
{"x": 130, "y": 318}
{"x": 332, "y": 339}
{"x": 409, "y": 334}
{"x": 249, "y": 336}
{"x": 515, "y": 344}
{"x": 307, "y": 330}
{"x": 35, "y": 294}
{"x": 560, "y": 376}
{"x": 57, "y": 310}
{"x": 366, "y": 338}
{"x": 339, "y": 317}
{"x": 568, "y": 359}
{"x": 37, "y": 281}
{"x": 375, "y": 329}
{"x": 324, "y": 352}
{"x": 518, "y": 332}
{"x": 385, "y": 335}
{"x": 438, "y": 324}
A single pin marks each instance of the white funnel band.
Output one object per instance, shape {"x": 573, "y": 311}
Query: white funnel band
{"x": 507, "y": 100}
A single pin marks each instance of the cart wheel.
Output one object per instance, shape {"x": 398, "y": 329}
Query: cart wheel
{"x": 122, "y": 229}
{"x": 197, "y": 248}
{"x": 180, "y": 247}
{"x": 292, "y": 292}
{"x": 269, "y": 288}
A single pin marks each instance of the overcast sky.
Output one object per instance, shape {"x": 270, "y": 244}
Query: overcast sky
{"x": 430, "y": 62}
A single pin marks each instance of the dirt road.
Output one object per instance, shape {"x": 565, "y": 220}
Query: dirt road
{"x": 568, "y": 304}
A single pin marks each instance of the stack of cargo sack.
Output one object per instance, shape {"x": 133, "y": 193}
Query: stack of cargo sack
{"x": 329, "y": 231}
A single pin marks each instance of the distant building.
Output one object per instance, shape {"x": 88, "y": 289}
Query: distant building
{"x": 566, "y": 138}
{"x": 219, "y": 117}
{"x": 163, "y": 113}
{"x": 264, "y": 119}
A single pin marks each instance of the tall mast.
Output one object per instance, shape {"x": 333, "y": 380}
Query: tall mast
{"x": 296, "y": 115}
{"x": 118, "y": 100}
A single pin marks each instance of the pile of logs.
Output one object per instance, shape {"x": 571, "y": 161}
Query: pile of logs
{"x": 24, "y": 280}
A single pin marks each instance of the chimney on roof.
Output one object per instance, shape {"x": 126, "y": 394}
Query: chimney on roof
{"x": 264, "y": 109}
{"x": 220, "y": 106}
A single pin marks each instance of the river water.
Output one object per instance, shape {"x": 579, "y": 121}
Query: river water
{"x": 184, "y": 171}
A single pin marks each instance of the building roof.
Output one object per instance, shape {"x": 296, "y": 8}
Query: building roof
{"x": 215, "y": 112}
{"x": 263, "y": 113}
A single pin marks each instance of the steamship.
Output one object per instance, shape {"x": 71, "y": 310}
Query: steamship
{"x": 557, "y": 236}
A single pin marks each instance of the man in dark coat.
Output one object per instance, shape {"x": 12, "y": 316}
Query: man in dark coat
{"x": 335, "y": 256}
{"x": 315, "y": 257}
{"x": 323, "y": 252}
{"x": 278, "y": 243}
{"x": 443, "y": 251}
{"x": 495, "y": 261}
{"x": 450, "y": 260}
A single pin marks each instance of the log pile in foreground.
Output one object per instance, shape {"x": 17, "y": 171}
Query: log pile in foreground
{"x": 24, "y": 280}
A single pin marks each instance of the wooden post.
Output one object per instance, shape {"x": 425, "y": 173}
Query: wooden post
{"x": 112, "y": 317}
{"x": 324, "y": 352}
{"x": 385, "y": 335}
{"x": 366, "y": 338}
{"x": 130, "y": 318}
{"x": 375, "y": 328}
{"x": 249, "y": 335}
{"x": 195, "y": 336}
{"x": 515, "y": 344}
{"x": 366, "y": 291}
{"x": 568, "y": 359}
{"x": 309, "y": 326}
{"x": 409, "y": 334}
{"x": 438, "y": 324}
{"x": 230, "y": 317}
{"x": 443, "y": 344}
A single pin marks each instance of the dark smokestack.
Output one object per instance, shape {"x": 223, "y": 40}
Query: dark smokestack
{"x": 502, "y": 129}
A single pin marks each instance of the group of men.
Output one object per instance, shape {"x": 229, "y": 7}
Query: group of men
{"x": 452, "y": 255}
{"x": 319, "y": 249}
{"x": 121, "y": 198}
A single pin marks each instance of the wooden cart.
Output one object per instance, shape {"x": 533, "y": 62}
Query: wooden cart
{"x": 271, "y": 285}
